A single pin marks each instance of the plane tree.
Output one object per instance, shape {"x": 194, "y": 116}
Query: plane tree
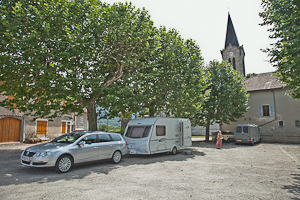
{"x": 283, "y": 19}
{"x": 171, "y": 83}
{"x": 63, "y": 56}
{"x": 226, "y": 97}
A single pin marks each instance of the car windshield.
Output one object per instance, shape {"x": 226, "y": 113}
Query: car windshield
{"x": 68, "y": 138}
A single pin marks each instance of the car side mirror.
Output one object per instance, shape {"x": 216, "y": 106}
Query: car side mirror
{"x": 81, "y": 143}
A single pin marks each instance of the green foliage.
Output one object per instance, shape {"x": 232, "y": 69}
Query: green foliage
{"x": 102, "y": 127}
{"x": 226, "y": 96}
{"x": 62, "y": 56}
{"x": 173, "y": 77}
{"x": 116, "y": 129}
{"x": 251, "y": 75}
{"x": 283, "y": 18}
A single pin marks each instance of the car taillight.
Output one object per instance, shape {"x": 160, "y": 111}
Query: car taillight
{"x": 126, "y": 143}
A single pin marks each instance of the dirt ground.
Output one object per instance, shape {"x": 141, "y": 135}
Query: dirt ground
{"x": 263, "y": 171}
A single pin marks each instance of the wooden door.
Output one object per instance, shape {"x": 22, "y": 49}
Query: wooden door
{"x": 41, "y": 128}
{"x": 10, "y": 129}
{"x": 63, "y": 127}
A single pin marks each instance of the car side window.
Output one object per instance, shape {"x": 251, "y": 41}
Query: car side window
{"x": 116, "y": 137}
{"x": 90, "y": 139}
{"x": 104, "y": 138}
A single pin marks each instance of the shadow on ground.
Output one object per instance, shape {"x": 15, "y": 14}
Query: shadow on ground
{"x": 225, "y": 145}
{"x": 12, "y": 172}
{"x": 294, "y": 187}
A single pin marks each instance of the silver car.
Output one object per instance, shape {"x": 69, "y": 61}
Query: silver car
{"x": 75, "y": 147}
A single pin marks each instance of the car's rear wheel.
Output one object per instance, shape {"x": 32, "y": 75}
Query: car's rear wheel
{"x": 116, "y": 157}
{"x": 174, "y": 151}
{"x": 228, "y": 140}
{"x": 252, "y": 142}
{"x": 64, "y": 164}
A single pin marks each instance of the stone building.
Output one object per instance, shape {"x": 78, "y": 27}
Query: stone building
{"x": 16, "y": 127}
{"x": 276, "y": 114}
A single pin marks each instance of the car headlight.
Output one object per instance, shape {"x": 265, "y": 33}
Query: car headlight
{"x": 43, "y": 153}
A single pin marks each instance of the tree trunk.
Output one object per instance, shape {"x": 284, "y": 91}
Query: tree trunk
{"x": 207, "y": 131}
{"x": 151, "y": 112}
{"x": 92, "y": 116}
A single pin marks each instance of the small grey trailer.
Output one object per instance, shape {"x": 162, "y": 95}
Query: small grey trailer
{"x": 246, "y": 133}
{"x": 158, "y": 135}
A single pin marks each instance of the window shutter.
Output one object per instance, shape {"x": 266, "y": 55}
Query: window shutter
{"x": 271, "y": 108}
{"x": 260, "y": 112}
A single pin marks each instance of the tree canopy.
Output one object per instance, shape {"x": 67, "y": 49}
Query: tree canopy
{"x": 168, "y": 84}
{"x": 283, "y": 18}
{"x": 62, "y": 56}
{"x": 226, "y": 97}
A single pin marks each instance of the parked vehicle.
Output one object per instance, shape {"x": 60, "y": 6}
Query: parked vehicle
{"x": 246, "y": 133}
{"x": 158, "y": 135}
{"x": 75, "y": 147}
{"x": 228, "y": 136}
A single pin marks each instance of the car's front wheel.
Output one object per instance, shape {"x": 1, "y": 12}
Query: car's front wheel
{"x": 116, "y": 157}
{"x": 64, "y": 164}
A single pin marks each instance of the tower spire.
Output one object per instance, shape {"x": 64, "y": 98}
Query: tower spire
{"x": 230, "y": 34}
{"x": 233, "y": 52}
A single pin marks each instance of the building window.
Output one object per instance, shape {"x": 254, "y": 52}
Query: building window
{"x": 297, "y": 123}
{"x": 265, "y": 110}
{"x": 280, "y": 123}
{"x": 81, "y": 119}
{"x": 229, "y": 60}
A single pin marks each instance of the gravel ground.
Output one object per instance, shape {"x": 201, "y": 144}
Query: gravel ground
{"x": 263, "y": 171}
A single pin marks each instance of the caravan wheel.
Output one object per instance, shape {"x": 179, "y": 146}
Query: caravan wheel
{"x": 174, "y": 151}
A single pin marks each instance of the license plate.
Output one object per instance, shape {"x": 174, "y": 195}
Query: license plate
{"x": 239, "y": 140}
{"x": 26, "y": 158}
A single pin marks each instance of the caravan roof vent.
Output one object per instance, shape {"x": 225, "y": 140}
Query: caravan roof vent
{"x": 268, "y": 85}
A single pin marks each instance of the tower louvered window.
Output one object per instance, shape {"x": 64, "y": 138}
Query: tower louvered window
{"x": 233, "y": 63}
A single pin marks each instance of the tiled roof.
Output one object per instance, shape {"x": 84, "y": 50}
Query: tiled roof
{"x": 264, "y": 81}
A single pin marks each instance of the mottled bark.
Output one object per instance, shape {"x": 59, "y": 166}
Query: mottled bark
{"x": 92, "y": 116}
{"x": 207, "y": 131}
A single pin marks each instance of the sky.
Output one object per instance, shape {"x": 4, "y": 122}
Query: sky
{"x": 205, "y": 21}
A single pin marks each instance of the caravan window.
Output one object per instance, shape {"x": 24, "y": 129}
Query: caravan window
{"x": 138, "y": 131}
{"x": 160, "y": 130}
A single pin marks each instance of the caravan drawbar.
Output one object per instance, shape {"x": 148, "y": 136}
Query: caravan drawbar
{"x": 158, "y": 135}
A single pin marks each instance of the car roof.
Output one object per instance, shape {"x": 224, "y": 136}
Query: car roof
{"x": 94, "y": 132}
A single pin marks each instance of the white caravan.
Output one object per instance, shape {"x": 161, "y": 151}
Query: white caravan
{"x": 157, "y": 135}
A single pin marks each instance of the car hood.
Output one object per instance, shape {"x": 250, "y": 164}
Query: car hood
{"x": 47, "y": 147}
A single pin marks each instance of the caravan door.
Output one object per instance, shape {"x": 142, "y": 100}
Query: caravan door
{"x": 187, "y": 133}
{"x": 158, "y": 141}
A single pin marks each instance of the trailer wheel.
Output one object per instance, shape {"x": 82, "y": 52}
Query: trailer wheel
{"x": 174, "y": 151}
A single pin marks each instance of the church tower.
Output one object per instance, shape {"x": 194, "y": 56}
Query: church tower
{"x": 233, "y": 52}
